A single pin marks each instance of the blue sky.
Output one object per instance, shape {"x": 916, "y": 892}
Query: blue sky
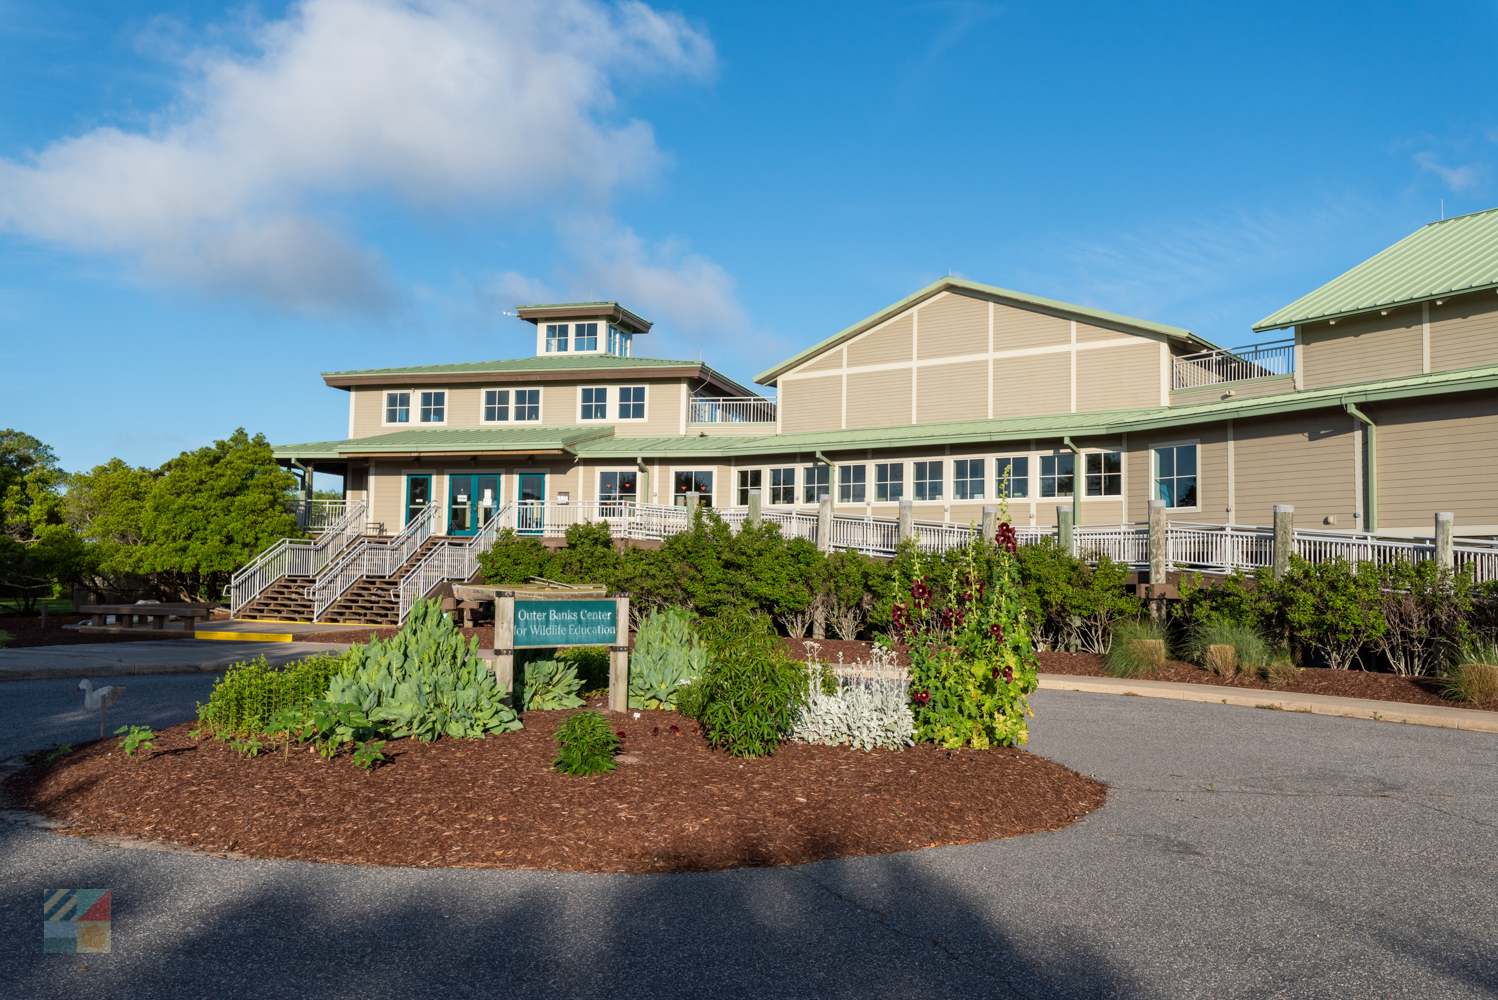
{"x": 202, "y": 206}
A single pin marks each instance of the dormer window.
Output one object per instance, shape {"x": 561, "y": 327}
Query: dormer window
{"x": 618, "y": 343}
{"x": 584, "y": 337}
{"x": 556, "y": 338}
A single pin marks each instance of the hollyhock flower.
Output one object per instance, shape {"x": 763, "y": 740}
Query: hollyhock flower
{"x": 656, "y": 731}
{"x": 1008, "y": 675}
{"x": 921, "y": 697}
{"x": 620, "y": 734}
{"x": 996, "y": 630}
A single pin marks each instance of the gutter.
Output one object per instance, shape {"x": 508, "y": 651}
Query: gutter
{"x": 1078, "y": 481}
{"x": 1370, "y": 523}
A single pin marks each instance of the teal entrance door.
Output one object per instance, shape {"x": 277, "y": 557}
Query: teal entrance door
{"x": 531, "y": 510}
{"x": 418, "y": 496}
{"x": 471, "y": 502}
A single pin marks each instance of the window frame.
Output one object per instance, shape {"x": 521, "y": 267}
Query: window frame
{"x": 484, "y": 404}
{"x": 748, "y": 479}
{"x": 1087, "y": 474}
{"x": 850, "y": 484}
{"x": 385, "y": 408}
{"x": 1041, "y": 477}
{"x": 1154, "y": 467}
{"x": 420, "y": 392}
{"x": 786, "y": 488}
{"x": 515, "y": 404}
{"x": 618, "y": 472}
{"x": 822, "y": 477}
{"x": 556, "y": 333}
{"x": 643, "y": 403}
{"x": 712, "y": 492}
{"x": 582, "y": 402}
{"x": 918, "y": 484}
{"x": 964, "y": 493}
{"x": 998, "y": 477}
{"x": 590, "y": 332}
{"x": 887, "y": 482}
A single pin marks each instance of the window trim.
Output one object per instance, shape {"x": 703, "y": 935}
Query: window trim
{"x": 743, "y": 490}
{"x": 708, "y": 467}
{"x": 944, "y": 461}
{"x": 509, "y": 407}
{"x": 416, "y": 405}
{"x": 540, "y": 404}
{"x": 385, "y": 409}
{"x": 1041, "y": 456}
{"x": 981, "y": 479}
{"x": 618, "y": 401}
{"x": 769, "y": 495}
{"x": 603, "y": 470}
{"x": 1153, "y": 473}
{"x": 550, "y": 339}
{"x": 995, "y": 478}
{"x": 1123, "y": 479}
{"x": 847, "y": 485}
{"x": 606, "y": 404}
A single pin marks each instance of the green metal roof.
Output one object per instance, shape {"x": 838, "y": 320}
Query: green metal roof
{"x": 961, "y": 284}
{"x": 573, "y": 305}
{"x": 1444, "y": 258}
{"x": 560, "y": 362}
{"x": 460, "y": 440}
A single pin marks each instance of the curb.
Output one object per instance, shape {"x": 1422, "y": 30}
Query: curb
{"x": 1439, "y": 716}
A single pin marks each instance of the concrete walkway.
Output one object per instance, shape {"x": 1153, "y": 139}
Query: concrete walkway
{"x": 1240, "y": 854}
{"x": 169, "y": 656}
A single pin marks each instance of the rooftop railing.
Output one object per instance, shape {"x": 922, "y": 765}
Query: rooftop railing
{"x": 731, "y": 410}
{"x": 1191, "y": 371}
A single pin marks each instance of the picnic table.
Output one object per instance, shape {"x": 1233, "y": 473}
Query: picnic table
{"x": 125, "y": 614}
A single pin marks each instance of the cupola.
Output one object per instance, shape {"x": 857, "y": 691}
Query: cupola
{"x": 584, "y": 328}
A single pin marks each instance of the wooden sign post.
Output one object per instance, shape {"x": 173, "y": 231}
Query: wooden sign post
{"x": 619, "y": 656}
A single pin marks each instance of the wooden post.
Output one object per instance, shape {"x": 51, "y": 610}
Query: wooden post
{"x": 44, "y": 610}
{"x": 824, "y": 524}
{"x": 504, "y": 644}
{"x": 1064, "y": 533}
{"x": 990, "y": 523}
{"x": 1159, "y": 566}
{"x": 753, "y": 506}
{"x": 1284, "y": 537}
{"x": 906, "y": 528}
{"x": 1445, "y": 530}
{"x": 619, "y": 656}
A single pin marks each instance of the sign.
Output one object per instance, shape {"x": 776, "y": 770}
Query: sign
{"x": 565, "y": 623}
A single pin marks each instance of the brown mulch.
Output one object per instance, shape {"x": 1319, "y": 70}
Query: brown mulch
{"x": 1312, "y": 680}
{"x": 28, "y": 631}
{"x": 673, "y": 804}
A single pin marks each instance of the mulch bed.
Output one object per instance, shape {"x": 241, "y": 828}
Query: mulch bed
{"x": 1312, "y": 680}
{"x": 673, "y": 804}
{"x": 28, "y": 631}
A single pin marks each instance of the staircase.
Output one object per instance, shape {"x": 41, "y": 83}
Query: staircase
{"x": 283, "y": 600}
{"x": 375, "y": 599}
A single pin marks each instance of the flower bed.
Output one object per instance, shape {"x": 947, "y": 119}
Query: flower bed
{"x": 673, "y": 804}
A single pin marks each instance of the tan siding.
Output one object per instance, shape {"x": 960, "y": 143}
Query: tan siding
{"x": 368, "y": 412}
{"x": 879, "y": 399}
{"x": 1087, "y": 332}
{"x": 1015, "y": 329}
{"x": 827, "y": 362}
{"x": 1437, "y": 455}
{"x": 1118, "y": 378}
{"x": 464, "y": 406}
{"x": 886, "y": 345}
{"x": 811, "y": 404}
{"x": 952, "y": 392}
{"x": 1240, "y": 390}
{"x": 1302, "y": 459}
{"x": 1363, "y": 349}
{"x": 1464, "y": 333}
{"x": 952, "y": 325}
{"x": 388, "y": 486}
{"x": 1032, "y": 385}
{"x": 662, "y": 409}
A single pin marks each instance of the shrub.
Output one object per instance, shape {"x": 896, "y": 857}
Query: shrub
{"x": 1074, "y": 605}
{"x": 514, "y": 558}
{"x": 587, "y": 746}
{"x": 425, "y": 682}
{"x": 592, "y": 663}
{"x": 549, "y": 685}
{"x": 667, "y": 655}
{"x": 1137, "y": 648}
{"x": 1280, "y": 671}
{"x": 1425, "y": 608}
{"x": 251, "y": 693}
{"x": 865, "y": 705}
{"x": 1250, "y": 653}
{"x": 1333, "y": 607}
{"x": 1474, "y": 676}
{"x": 751, "y": 694}
{"x": 1234, "y": 601}
{"x": 5, "y": 637}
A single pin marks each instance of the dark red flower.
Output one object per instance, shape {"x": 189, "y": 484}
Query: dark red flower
{"x": 675, "y": 731}
{"x": 995, "y": 673}
{"x": 656, "y": 731}
{"x": 1008, "y": 675}
{"x": 996, "y": 630}
{"x": 921, "y": 697}
{"x": 620, "y": 734}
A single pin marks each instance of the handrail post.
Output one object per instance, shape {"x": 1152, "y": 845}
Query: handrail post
{"x": 1158, "y": 557}
{"x": 1445, "y": 532}
{"x": 1284, "y": 538}
{"x": 990, "y": 523}
{"x": 824, "y": 523}
{"x": 1064, "y": 530}
{"x": 906, "y": 522}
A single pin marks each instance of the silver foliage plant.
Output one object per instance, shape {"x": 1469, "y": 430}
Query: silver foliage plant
{"x": 868, "y": 707}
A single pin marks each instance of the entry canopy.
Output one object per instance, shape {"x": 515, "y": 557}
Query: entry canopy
{"x": 487, "y": 441}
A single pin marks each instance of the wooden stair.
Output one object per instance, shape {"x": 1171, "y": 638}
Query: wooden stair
{"x": 368, "y": 600}
{"x": 285, "y": 600}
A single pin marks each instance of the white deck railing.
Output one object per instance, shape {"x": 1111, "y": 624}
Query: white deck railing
{"x": 294, "y": 557}
{"x": 731, "y": 410}
{"x": 370, "y": 557}
{"x": 1212, "y": 367}
{"x": 319, "y": 515}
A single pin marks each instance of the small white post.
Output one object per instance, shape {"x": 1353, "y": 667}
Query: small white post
{"x": 824, "y": 524}
{"x": 1445, "y": 547}
{"x": 990, "y": 523}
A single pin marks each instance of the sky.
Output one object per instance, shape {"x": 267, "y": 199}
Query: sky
{"x": 203, "y": 206}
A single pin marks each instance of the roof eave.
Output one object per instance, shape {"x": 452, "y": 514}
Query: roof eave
{"x": 1270, "y": 323}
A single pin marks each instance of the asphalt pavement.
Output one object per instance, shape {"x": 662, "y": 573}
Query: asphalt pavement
{"x": 1241, "y": 853}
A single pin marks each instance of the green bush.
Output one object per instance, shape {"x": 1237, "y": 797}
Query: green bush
{"x": 251, "y": 693}
{"x": 425, "y": 682}
{"x": 549, "y": 685}
{"x": 1251, "y": 653}
{"x": 592, "y": 663}
{"x": 1073, "y": 605}
{"x": 1473, "y": 677}
{"x": 1133, "y": 652}
{"x": 1231, "y": 601}
{"x": 751, "y": 694}
{"x": 587, "y": 745}
{"x": 1332, "y": 606}
{"x": 1426, "y": 609}
{"x": 667, "y": 655}
{"x": 5, "y": 637}
{"x": 514, "y": 558}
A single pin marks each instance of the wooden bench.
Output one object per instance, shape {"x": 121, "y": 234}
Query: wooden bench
{"x": 124, "y": 614}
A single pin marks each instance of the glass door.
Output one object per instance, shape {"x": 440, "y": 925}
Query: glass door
{"x": 486, "y": 495}
{"x": 460, "y": 505}
{"x": 616, "y": 493}
{"x": 418, "y": 496}
{"x": 530, "y": 514}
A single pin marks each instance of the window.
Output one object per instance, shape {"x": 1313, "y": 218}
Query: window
{"x": 556, "y": 337}
{"x": 397, "y": 407}
{"x": 617, "y": 488}
{"x": 595, "y": 403}
{"x": 1175, "y": 475}
{"x": 434, "y": 407}
{"x": 852, "y": 483}
{"x": 927, "y": 480}
{"x": 1017, "y": 470}
{"x": 585, "y": 337}
{"x": 967, "y": 479}
{"x": 527, "y": 404}
{"x": 1104, "y": 474}
{"x": 1056, "y": 475}
{"x": 783, "y": 485}
{"x": 632, "y": 402}
{"x": 889, "y": 481}
{"x": 693, "y": 489}
{"x": 814, "y": 483}
{"x": 496, "y": 405}
{"x": 749, "y": 479}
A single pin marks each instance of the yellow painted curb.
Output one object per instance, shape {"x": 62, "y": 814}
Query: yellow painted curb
{"x": 247, "y": 636}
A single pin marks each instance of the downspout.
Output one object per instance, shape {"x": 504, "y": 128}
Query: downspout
{"x": 1078, "y": 479}
{"x": 1371, "y": 461}
{"x": 831, "y": 478}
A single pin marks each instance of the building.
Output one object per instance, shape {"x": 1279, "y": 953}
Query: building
{"x": 1374, "y": 408}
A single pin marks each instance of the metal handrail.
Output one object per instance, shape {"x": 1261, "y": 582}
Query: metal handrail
{"x": 370, "y": 557}
{"x": 294, "y": 557}
{"x": 730, "y": 410}
{"x": 453, "y": 561}
{"x": 1212, "y": 367}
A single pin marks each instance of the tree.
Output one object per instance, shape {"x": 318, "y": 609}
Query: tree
{"x": 30, "y": 485}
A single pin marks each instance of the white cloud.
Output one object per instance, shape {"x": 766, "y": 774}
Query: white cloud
{"x": 439, "y": 103}
{"x": 1458, "y": 179}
